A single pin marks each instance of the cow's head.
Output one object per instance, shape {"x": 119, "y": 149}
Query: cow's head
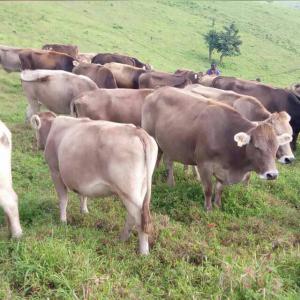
{"x": 147, "y": 67}
{"x": 261, "y": 144}
{"x": 281, "y": 124}
{"x": 42, "y": 122}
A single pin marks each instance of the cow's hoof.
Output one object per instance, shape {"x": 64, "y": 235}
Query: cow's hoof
{"x": 17, "y": 235}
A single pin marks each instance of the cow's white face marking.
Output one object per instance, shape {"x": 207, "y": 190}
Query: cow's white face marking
{"x": 286, "y": 159}
{"x": 269, "y": 175}
{"x": 196, "y": 76}
{"x": 242, "y": 139}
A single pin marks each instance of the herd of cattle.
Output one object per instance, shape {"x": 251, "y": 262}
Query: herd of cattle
{"x": 124, "y": 116}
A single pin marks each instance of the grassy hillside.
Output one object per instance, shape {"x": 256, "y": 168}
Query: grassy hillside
{"x": 247, "y": 250}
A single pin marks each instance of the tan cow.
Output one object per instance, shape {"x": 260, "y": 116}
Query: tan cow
{"x": 212, "y": 136}
{"x": 102, "y": 76}
{"x": 126, "y": 76}
{"x": 152, "y": 80}
{"x": 105, "y": 158}
{"x": 8, "y": 197}
{"x": 117, "y": 105}
{"x": 54, "y": 89}
{"x": 251, "y": 109}
{"x": 85, "y": 57}
{"x": 9, "y": 58}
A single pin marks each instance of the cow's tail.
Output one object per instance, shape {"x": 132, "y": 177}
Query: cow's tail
{"x": 147, "y": 226}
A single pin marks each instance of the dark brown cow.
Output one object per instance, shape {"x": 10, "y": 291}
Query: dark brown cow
{"x": 43, "y": 59}
{"x": 118, "y": 105}
{"x": 102, "y": 76}
{"x": 152, "y": 80}
{"x": 274, "y": 99}
{"x": 212, "y": 136}
{"x": 191, "y": 75}
{"x": 67, "y": 49}
{"x": 104, "y": 58}
{"x": 126, "y": 76}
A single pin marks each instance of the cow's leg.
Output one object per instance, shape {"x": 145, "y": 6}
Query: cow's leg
{"x": 170, "y": 171}
{"x": 83, "y": 205}
{"x": 32, "y": 108}
{"x": 159, "y": 156}
{"x": 135, "y": 211}
{"x": 9, "y": 203}
{"x": 206, "y": 178}
{"x": 130, "y": 221}
{"x": 218, "y": 194}
{"x": 62, "y": 193}
{"x": 196, "y": 173}
{"x": 294, "y": 141}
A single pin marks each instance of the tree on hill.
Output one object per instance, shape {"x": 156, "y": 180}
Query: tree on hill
{"x": 211, "y": 39}
{"x": 226, "y": 42}
{"x": 229, "y": 42}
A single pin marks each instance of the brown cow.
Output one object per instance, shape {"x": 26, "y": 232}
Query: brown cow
{"x": 126, "y": 76}
{"x": 251, "y": 109}
{"x": 104, "y": 58}
{"x": 152, "y": 80}
{"x": 9, "y": 58}
{"x": 67, "y": 49}
{"x": 191, "y": 75}
{"x": 102, "y": 76}
{"x": 273, "y": 99}
{"x": 118, "y": 105}
{"x": 43, "y": 59}
{"x": 217, "y": 139}
{"x": 105, "y": 158}
{"x": 54, "y": 89}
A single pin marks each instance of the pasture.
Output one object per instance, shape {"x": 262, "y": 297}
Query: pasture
{"x": 250, "y": 249}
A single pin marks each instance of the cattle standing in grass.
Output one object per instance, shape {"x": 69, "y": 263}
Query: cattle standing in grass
{"x": 54, "y": 89}
{"x": 104, "y": 58}
{"x": 212, "y": 136}
{"x": 118, "y": 105}
{"x": 152, "y": 80}
{"x": 85, "y": 57}
{"x": 105, "y": 158}
{"x": 8, "y": 197}
{"x": 9, "y": 58}
{"x": 251, "y": 109}
{"x": 102, "y": 76}
{"x": 43, "y": 59}
{"x": 67, "y": 49}
{"x": 126, "y": 76}
{"x": 273, "y": 99}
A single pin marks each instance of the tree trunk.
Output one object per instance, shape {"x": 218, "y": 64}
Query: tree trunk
{"x": 221, "y": 59}
{"x": 210, "y": 50}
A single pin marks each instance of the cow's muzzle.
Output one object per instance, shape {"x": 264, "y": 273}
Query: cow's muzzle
{"x": 269, "y": 175}
{"x": 286, "y": 159}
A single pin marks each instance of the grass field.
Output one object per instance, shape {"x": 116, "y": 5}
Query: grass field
{"x": 250, "y": 249}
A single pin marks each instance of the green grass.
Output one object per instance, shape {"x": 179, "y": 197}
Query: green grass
{"x": 248, "y": 250}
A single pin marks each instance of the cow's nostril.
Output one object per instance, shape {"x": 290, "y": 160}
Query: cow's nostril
{"x": 271, "y": 176}
{"x": 287, "y": 160}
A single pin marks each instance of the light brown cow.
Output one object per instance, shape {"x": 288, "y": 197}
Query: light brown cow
{"x": 212, "y": 136}
{"x": 85, "y": 57}
{"x": 9, "y": 58}
{"x": 102, "y": 76}
{"x": 118, "y": 105}
{"x": 54, "y": 89}
{"x": 126, "y": 76}
{"x": 152, "y": 80}
{"x": 105, "y": 158}
{"x": 8, "y": 197}
{"x": 251, "y": 109}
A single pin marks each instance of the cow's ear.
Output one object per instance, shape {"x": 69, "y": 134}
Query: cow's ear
{"x": 242, "y": 139}
{"x": 75, "y": 63}
{"x": 196, "y": 76}
{"x": 254, "y": 123}
{"x": 35, "y": 122}
{"x": 285, "y": 115}
{"x": 284, "y": 139}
